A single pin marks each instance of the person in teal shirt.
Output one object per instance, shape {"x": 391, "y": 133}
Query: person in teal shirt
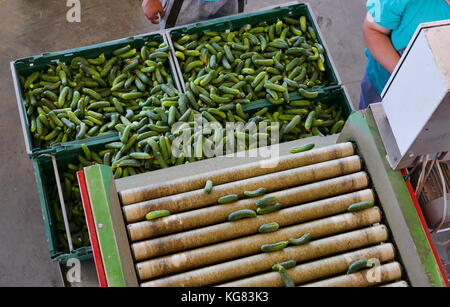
{"x": 169, "y": 13}
{"x": 387, "y": 30}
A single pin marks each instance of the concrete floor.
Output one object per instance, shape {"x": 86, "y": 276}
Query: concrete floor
{"x": 31, "y": 27}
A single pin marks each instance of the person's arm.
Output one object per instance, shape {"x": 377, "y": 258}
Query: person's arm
{"x": 152, "y": 8}
{"x": 378, "y": 41}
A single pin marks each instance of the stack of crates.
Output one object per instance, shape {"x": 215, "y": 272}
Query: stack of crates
{"x": 66, "y": 153}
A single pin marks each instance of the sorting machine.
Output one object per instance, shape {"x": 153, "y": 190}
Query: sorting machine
{"x": 197, "y": 246}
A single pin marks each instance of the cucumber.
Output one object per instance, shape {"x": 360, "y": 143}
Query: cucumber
{"x": 300, "y": 241}
{"x": 292, "y": 124}
{"x": 337, "y": 127}
{"x": 208, "y": 187}
{"x": 122, "y": 50}
{"x": 157, "y": 214}
{"x": 87, "y": 151}
{"x": 140, "y": 155}
{"x": 269, "y": 209}
{"x": 289, "y": 264}
{"x": 241, "y": 214}
{"x": 360, "y": 206}
{"x": 255, "y": 193}
{"x": 360, "y": 265}
{"x": 309, "y": 120}
{"x": 288, "y": 282}
{"x": 302, "y": 148}
{"x": 308, "y": 94}
{"x": 303, "y": 26}
{"x": 269, "y": 227}
{"x": 228, "y": 199}
{"x": 266, "y": 202}
{"x": 274, "y": 247}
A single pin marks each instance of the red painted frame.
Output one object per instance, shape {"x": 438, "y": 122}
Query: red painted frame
{"x": 425, "y": 227}
{"x": 91, "y": 230}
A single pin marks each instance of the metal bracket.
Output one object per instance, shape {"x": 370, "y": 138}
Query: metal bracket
{"x": 61, "y": 201}
{"x": 395, "y": 159}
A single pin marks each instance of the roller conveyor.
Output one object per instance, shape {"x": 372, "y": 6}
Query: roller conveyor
{"x": 197, "y": 246}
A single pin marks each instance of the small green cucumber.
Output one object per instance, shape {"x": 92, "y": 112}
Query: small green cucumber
{"x": 337, "y": 127}
{"x": 228, "y": 199}
{"x": 208, "y": 187}
{"x": 255, "y": 193}
{"x": 157, "y": 214}
{"x": 266, "y": 201}
{"x": 289, "y": 264}
{"x": 308, "y": 94}
{"x": 302, "y": 240}
{"x": 241, "y": 214}
{"x": 141, "y": 156}
{"x": 302, "y": 148}
{"x": 360, "y": 206}
{"x": 360, "y": 265}
{"x": 267, "y": 248}
{"x": 269, "y": 209}
{"x": 288, "y": 282}
{"x": 269, "y": 227}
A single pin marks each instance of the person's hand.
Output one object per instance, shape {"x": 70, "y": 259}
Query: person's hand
{"x": 152, "y": 8}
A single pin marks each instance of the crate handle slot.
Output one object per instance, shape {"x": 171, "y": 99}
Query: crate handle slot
{"x": 61, "y": 201}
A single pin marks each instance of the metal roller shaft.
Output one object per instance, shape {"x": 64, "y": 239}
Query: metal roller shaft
{"x": 217, "y": 214}
{"x": 225, "y": 230}
{"x": 271, "y": 182}
{"x": 252, "y": 244}
{"x": 250, "y": 170}
{"x": 398, "y": 284}
{"x": 318, "y": 269}
{"x": 367, "y": 278}
{"x": 263, "y": 262}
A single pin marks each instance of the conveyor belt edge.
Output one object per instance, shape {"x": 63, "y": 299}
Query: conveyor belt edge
{"x": 415, "y": 251}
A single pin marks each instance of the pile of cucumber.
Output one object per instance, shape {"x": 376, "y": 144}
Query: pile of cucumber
{"x": 224, "y": 71}
{"x": 265, "y": 61}
{"x": 88, "y": 97}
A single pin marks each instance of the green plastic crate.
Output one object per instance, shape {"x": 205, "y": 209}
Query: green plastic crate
{"x": 26, "y": 66}
{"x": 46, "y": 186}
{"x": 237, "y": 21}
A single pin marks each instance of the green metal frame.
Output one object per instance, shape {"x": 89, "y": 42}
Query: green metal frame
{"x": 110, "y": 227}
{"x": 401, "y": 215}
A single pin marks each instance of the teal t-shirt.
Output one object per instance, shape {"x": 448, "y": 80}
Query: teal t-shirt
{"x": 402, "y": 17}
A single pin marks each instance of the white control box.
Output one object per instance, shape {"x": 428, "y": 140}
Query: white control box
{"x": 416, "y": 99}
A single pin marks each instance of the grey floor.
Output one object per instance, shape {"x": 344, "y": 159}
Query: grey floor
{"x": 31, "y": 27}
